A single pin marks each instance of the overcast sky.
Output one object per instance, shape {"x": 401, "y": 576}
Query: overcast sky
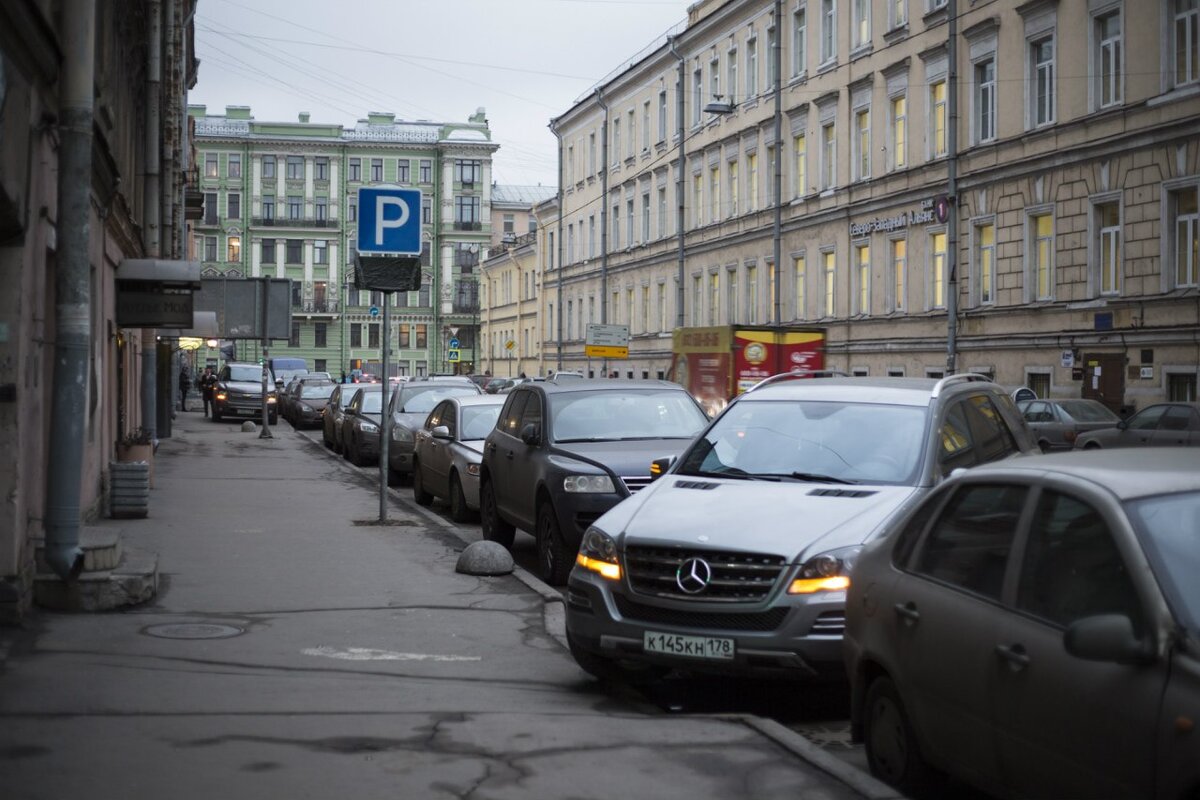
{"x": 525, "y": 61}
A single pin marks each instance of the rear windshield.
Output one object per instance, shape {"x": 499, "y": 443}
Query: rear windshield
{"x": 1088, "y": 411}
{"x": 317, "y": 389}
{"x": 478, "y": 421}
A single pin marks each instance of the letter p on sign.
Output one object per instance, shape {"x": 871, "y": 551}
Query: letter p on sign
{"x": 389, "y": 221}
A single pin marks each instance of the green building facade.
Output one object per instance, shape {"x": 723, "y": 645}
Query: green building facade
{"x": 280, "y": 200}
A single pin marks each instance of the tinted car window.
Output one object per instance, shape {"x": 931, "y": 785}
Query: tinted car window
{"x": 1072, "y": 568}
{"x": 955, "y": 449}
{"x": 372, "y": 402}
{"x": 1168, "y": 526}
{"x": 532, "y": 415}
{"x": 968, "y": 544}
{"x": 1146, "y": 420}
{"x": 1177, "y": 418}
{"x": 993, "y": 439}
{"x": 1088, "y": 411}
{"x": 478, "y": 421}
{"x": 511, "y": 420}
{"x": 1039, "y": 412}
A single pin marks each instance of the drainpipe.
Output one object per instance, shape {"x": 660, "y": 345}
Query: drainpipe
{"x": 72, "y": 279}
{"x": 603, "y": 214}
{"x": 170, "y": 175}
{"x": 559, "y": 323}
{"x": 679, "y": 185}
{"x": 952, "y": 193}
{"x": 151, "y": 210}
{"x": 777, "y": 231}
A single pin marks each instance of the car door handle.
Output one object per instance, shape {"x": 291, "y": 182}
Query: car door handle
{"x": 1015, "y": 655}
{"x": 510, "y": 455}
{"x": 908, "y": 611}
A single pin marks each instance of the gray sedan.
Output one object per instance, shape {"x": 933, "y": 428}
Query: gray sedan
{"x": 1057, "y": 423}
{"x": 449, "y": 449}
{"x": 1162, "y": 425}
{"x": 409, "y": 405}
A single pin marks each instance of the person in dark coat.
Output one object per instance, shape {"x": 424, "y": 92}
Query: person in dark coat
{"x": 208, "y": 387}
{"x": 185, "y": 385}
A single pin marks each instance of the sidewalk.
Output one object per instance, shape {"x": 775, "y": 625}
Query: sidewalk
{"x": 295, "y": 650}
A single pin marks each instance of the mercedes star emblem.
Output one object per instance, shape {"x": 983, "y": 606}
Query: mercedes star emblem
{"x": 693, "y": 576}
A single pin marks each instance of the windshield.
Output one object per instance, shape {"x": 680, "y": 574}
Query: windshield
{"x": 317, "y": 390}
{"x": 345, "y": 398}
{"x": 807, "y": 440}
{"x": 1088, "y": 411}
{"x": 247, "y": 374}
{"x": 422, "y": 399}
{"x": 606, "y": 415}
{"x": 478, "y": 421}
{"x": 1169, "y": 526}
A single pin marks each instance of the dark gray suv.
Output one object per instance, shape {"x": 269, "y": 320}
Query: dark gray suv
{"x": 738, "y": 559}
{"x": 563, "y": 454}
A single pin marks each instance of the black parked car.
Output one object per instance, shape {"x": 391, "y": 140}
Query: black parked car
{"x": 360, "y": 425}
{"x": 335, "y": 413}
{"x": 239, "y": 393}
{"x": 563, "y": 454}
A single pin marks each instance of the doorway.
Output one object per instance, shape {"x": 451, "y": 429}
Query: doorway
{"x": 1104, "y": 379}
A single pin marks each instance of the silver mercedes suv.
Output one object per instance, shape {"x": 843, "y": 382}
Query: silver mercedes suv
{"x": 737, "y": 559}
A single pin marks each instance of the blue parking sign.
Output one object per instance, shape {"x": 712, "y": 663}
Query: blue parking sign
{"x": 389, "y": 221}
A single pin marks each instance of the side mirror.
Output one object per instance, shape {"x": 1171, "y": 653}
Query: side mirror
{"x": 659, "y": 466}
{"x": 1106, "y": 637}
{"x": 1122, "y": 425}
{"x": 530, "y": 434}
{"x": 440, "y": 432}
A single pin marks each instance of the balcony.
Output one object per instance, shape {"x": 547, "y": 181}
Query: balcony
{"x": 327, "y": 306}
{"x": 467, "y": 226}
{"x": 278, "y": 222}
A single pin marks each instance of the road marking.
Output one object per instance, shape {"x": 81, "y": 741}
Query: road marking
{"x": 367, "y": 654}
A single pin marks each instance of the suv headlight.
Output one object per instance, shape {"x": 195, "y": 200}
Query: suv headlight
{"x": 598, "y": 553}
{"x": 592, "y": 484}
{"x": 368, "y": 427}
{"x": 401, "y": 433}
{"x": 826, "y": 572}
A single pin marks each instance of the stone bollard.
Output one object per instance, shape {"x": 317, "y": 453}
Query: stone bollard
{"x": 249, "y": 427}
{"x": 485, "y": 558}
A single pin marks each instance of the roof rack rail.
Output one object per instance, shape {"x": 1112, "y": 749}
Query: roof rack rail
{"x": 799, "y": 373}
{"x": 959, "y": 377}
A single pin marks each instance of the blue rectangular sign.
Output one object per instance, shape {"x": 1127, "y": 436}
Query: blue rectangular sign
{"x": 389, "y": 221}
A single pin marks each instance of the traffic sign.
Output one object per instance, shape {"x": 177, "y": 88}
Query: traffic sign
{"x": 374, "y": 311}
{"x": 454, "y": 344}
{"x": 389, "y": 221}
{"x": 607, "y": 335}
{"x": 455, "y": 355}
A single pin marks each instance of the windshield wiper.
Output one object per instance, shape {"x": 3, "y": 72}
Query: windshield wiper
{"x": 584, "y": 439}
{"x": 815, "y": 477}
{"x": 730, "y": 472}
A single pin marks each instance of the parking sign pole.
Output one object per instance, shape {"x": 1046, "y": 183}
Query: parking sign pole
{"x": 385, "y": 416}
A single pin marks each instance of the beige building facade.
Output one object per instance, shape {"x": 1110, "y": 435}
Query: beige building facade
{"x": 1073, "y": 264}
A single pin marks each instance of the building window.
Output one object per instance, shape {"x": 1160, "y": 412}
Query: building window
{"x": 616, "y": 227}
{"x": 426, "y": 170}
{"x": 295, "y": 168}
{"x": 355, "y": 335}
{"x": 645, "y": 217}
{"x": 355, "y": 170}
{"x": 466, "y": 209}
{"x": 268, "y": 207}
{"x": 731, "y": 296}
{"x": 1181, "y": 387}
{"x": 403, "y": 167}
{"x": 985, "y": 259}
{"x": 1109, "y": 59}
{"x": 714, "y": 298}
{"x": 799, "y": 166}
{"x": 629, "y": 222}
{"x": 592, "y": 149}
{"x": 937, "y": 270}
{"x": 616, "y": 140}
{"x": 211, "y": 214}
{"x": 898, "y": 152}
{"x": 1108, "y": 246}
{"x": 373, "y": 334}
{"x": 1041, "y": 255}
{"x": 646, "y": 126}
{"x": 468, "y": 171}
{"x": 294, "y": 339}
{"x": 731, "y": 61}
{"x": 631, "y": 125}
{"x": 319, "y": 334}
{"x": 510, "y": 223}
{"x": 662, "y": 115}
{"x": 210, "y": 248}
{"x": 862, "y": 144}
{"x": 698, "y": 198}
{"x": 352, "y": 209}
{"x": 1187, "y": 41}
{"x": 234, "y": 255}
{"x": 295, "y": 206}
{"x": 426, "y": 210}
{"x": 591, "y": 236}
{"x": 714, "y": 193}
{"x": 799, "y": 41}
{"x": 320, "y": 252}
{"x": 268, "y": 251}
{"x": 985, "y": 100}
{"x": 268, "y": 166}
{"x": 828, "y": 155}
{"x": 733, "y": 188}
{"x": 234, "y": 165}
{"x": 751, "y": 68}
{"x": 828, "y": 31}
{"x": 799, "y": 277}
{"x": 376, "y": 170}
{"x": 752, "y": 295}
{"x": 1041, "y": 81}
{"x": 294, "y": 251}
{"x": 234, "y": 209}
{"x": 321, "y": 168}
{"x": 772, "y": 40}
{"x": 862, "y": 278}
{"x": 897, "y": 13}
{"x": 662, "y": 212}
{"x": 937, "y": 119}
{"x": 862, "y": 23}
{"x": 899, "y": 283}
{"x": 1185, "y": 242}
{"x": 828, "y": 278}
{"x": 210, "y": 166}
{"x": 321, "y": 209}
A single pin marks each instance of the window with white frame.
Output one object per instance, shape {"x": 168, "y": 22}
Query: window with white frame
{"x": 862, "y": 144}
{"x": 799, "y": 284}
{"x": 210, "y": 165}
{"x": 751, "y": 294}
{"x": 1107, "y": 221}
{"x": 1181, "y": 387}
{"x": 828, "y": 31}
{"x": 320, "y": 252}
{"x": 592, "y": 152}
{"x": 1039, "y": 255}
{"x": 862, "y": 278}
{"x": 616, "y": 227}
{"x": 268, "y": 166}
{"x": 662, "y": 115}
{"x": 731, "y": 295}
{"x": 714, "y": 79}
{"x": 697, "y": 299}
{"x": 828, "y": 282}
{"x": 731, "y": 67}
{"x": 898, "y": 147}
{"x": 937, "y": 269}
{"x": 772, "y": 41}
{"x": 1109, "y": 59}
{"x": 1184, "y": 214}
{"x": 799, "y": 164}
{"x": 897, "y": 13}
{"x": 937, "y": 119}
{"x": 646, "y": 126}
{"x": 899, "y": 273}
{"x": 660, "y": 303}
{"x": 629, "y": 221}
{"x": 985, "y": 262}
{"x": 714, "y": 193}
{"x": 1041, "y": 81}
{"x": 632, "y": 125}
{"x": 828, "y": 155}
{"x": 985, "y": 100}
{"x": 234, "y": 165}
{"x": 751, "y": 181}
{"x": 233, "y": 208}
{"x": 714, "y": 298}
{"x": 1186, "y": 41}
{"x": 697, "y": 95}
{"x": 662, "y": 212}
{"x": 645, "y": 216}
{"x": 698, "y": 198}
{"x": 732, "y": 169}
{"x": 799, "y": 41}
{"x": 616, "y": 140}
{"x": 751, "y": 68}
{"x": 376, "y": 169}
{"x": 861, "y": 20}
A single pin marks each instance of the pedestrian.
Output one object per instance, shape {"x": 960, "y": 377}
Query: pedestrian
{"x": 343, "y": 380}
{"x": 208, "y": 387}
{"x": 185, "y": 385}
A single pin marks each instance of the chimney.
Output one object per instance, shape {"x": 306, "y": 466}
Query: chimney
{"x": 304, "y": 117}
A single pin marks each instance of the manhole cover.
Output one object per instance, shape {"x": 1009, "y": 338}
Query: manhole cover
{"x": 193, "y": 630}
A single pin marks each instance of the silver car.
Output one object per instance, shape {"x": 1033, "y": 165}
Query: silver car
{"x": 1056, "y": 424}
{"x": 449, "y": 449}
{"x": 1033, "y": 628}
{"x": 738, "y": 558}
{"x": 409, "y": 405}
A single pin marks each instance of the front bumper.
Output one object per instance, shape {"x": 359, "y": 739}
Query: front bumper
{"x": 249, "y": 406}
{"x": 793, "y": 636}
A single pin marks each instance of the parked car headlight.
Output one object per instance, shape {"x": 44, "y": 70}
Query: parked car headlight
{"x": 367, "y": 427}
{"x": 270, "y": 399}
{"x": 473, "y": 469}
{"x": 598, "y": 553}
{"x": 826, "y": 572}
{"x": 221, "y": 396}
{"x": 401, "y": 434}
{"x": 592, "y": 484}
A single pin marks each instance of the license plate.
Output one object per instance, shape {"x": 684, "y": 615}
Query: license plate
{"x": 674, "y": 644}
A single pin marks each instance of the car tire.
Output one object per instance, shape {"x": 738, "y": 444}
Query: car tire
{"x": 1045, "y": 446}
{"x": 355, "y": 456}
{"x": 1091, "y": 446}
{"x": 346, "y": 451}
{"x": 493, "y": 528}
{"x": 554, "y": 560}
{"x": 420, "y": 496}
{"x": 893, "y": 753}
{"x": 459, "y": 512}
{"x": 608, "y": 670}
{"x": 216, "y": 415}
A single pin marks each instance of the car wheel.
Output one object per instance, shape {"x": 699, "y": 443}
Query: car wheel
{"x": 355, "y": 456}
{"x": 1091, "y": 446}
{"x": 893, "y": 753}
{"x": 458, "y": 501}
{"x": 1044, "y": 446}
{"x": 611, "y": 671}
{"x": 554, "y": 561}
{"x": 420, "y": 496}
{"x": 216, "y": 415}
{"x": 493, "y": 528}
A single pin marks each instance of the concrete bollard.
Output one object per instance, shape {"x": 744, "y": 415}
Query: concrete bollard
{"x": 249, "y": 427}
{"x": 485, "y": 558}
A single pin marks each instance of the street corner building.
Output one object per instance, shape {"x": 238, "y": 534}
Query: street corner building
{"x": 94, "y": 176}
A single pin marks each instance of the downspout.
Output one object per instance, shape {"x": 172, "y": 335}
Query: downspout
{"x": 72, "y": 278}
{"x": 777, "y": 231}
{"x": 170, "y": 175}
{"x": 679, "y": 185}
{"x": 952, "y": 194}
{"x": 152, "y": 189}
{"x": 559, "y": 262}
{"x": 603, "y": 215}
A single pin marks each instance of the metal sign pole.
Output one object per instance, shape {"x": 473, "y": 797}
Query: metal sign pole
{"x": 266, "y": 305}
{"x": 385, "y": 421}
